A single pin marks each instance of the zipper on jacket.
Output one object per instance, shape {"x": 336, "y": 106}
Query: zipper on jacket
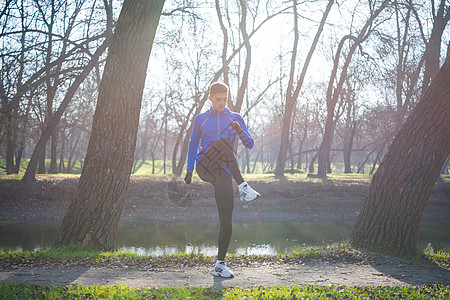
{"x": 218, "y": 125}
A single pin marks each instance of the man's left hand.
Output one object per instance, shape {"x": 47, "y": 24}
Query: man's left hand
{"x": 236, "y": 127}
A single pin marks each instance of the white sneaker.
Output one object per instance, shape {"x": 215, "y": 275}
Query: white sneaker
{"x": 247, "y": 193}
{"x": 221, "y": 270}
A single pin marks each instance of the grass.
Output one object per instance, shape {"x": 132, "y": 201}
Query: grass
{"x": 440, "y": 257}
{"x": 339, "y": 292}
{"x": 27, "y": 291}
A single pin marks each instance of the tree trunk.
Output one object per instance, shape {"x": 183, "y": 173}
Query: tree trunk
{"x": 347, "y": 158}
{"x": 41, "y": 160}
{"x": 19, "y": 154}
{"x": 256, "y": 161}
{"x": 348, "y": 148}
{"x": 350, "y": 131}
{"x": 306, "y": 162}
{"x": 53, "y": 169}
{"x": 377, "y": 158}
{"x": 62, "y": 166}
{"x": 93, "y": 216}
{"x": 69, "y": 165}
{"x": 362, "y": 165}
{"x": 153, "y": 162}
{"x": 299, "y": 159}
{"x": 10, "y": 147}
{"x": 311, "y": 164}
{"x": 390, "y": 217}
{"x": 72, "y": 154}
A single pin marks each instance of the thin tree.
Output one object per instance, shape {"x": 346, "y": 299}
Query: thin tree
{"x": 334, "y": 92}
{"x": 93, "y": 216}
{"x": 391, "y": 213}
{"x": 293, "y": 92}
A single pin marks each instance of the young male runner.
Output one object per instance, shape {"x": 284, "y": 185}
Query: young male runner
{"x": 216, "y": 163}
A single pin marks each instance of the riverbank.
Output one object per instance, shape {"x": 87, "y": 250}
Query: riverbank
{"x": 170, "y": 200}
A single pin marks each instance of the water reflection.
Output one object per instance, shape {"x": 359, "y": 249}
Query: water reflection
{"x": 201, "y": 238}
{"x": 248, "y": 238}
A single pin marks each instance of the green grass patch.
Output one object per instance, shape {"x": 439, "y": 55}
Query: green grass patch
{"x": 339, "y": 292}
{"x": 445, "y": 177}
{"x": 440, "y": 257}
{"x": 76, "y": 168}
{"x": 27, "y": 291}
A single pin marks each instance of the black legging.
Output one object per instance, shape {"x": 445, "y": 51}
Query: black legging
{"x": 210, "y": 169}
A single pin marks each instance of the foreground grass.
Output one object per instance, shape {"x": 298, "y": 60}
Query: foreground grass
{"x": 26, "y": 291}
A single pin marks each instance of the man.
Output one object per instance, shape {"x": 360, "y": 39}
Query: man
{"x": 216, "y": 163}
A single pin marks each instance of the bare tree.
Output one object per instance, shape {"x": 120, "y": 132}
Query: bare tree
{"x": 293, "y": 92}
{"x": 43, "y": 52}
{"x": 350, "y": 127}
{"x": 333, "y": 92}
{"x": 40, "y": 146}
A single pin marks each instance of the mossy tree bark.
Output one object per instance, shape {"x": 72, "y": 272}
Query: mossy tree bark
{"x": 390, "y": 217}
{"x": 93, "y": 216}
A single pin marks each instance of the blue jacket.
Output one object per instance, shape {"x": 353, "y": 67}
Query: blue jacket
{"x": 210, "y": 127}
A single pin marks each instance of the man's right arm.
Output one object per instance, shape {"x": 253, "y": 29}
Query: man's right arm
{"x": 193, "y": 147}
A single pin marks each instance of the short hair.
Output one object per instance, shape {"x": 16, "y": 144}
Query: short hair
{"x": 218, "y": 87}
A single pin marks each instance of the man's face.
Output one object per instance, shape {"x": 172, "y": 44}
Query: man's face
{"x": 219, "y": 101}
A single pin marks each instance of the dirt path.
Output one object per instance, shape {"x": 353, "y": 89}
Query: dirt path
{"x": 388, "y": 272}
